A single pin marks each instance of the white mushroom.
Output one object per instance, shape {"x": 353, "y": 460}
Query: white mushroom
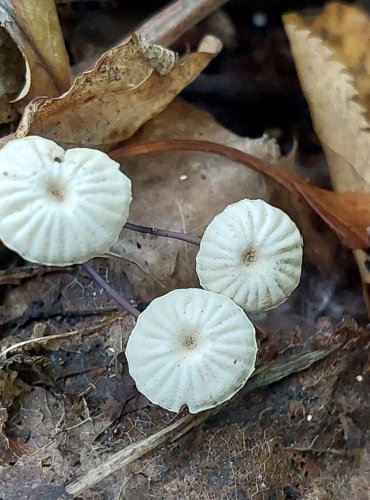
{"x": 60, "y": 207}
{"x": 191, "y": 347}
{"x": 252, "y": 253}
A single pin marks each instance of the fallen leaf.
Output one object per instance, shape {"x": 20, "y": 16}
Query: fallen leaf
{"x": 31, "y": 298}
{"x": 347, "y": 214}
{"x": 29, "y": 479}
{"x": 345, "y": 28}
{"x": 338, "y": 117}
{"x": 181, "y": 191}
{"x": 35, "y": 429}
{"x": 12, "y": 70}
{"x": 40, "y": 414}
{"x": 10, "y": 387}
{"x": 42, "y": 296}
{"x": 358, "y": 486}
{"x": 109, "y": 103}
{"x": 331, "y": 56}
{"x": 320, "y": 242}
{"x": 4, "y": 442}
{"x": 34, "y": 26}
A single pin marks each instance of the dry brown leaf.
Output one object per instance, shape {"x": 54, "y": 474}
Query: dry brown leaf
{"x": 330, "y": 59}
{"x": 181, "y": 191}
{"x": 12, "y": 71}
{"x": 320, "y": 243}
{"x": 30, "y": 479}
{"x": 40, "y": 413}
{"x": 4, "y": 441}
{"x": 346, "y": 213}
{"x": 34, "y": 26}
{"x": 338, "y": 118}
{"x": 40, "y": 417}
{"x": 109, "y": 103}
{"x": 10, "y": 387}
{"x": 346, "y": 29}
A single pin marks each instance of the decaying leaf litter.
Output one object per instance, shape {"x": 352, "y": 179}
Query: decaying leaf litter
{"x": 69, "y": 406}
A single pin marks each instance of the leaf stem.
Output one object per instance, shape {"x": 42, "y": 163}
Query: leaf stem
{"x": 346, "y": 213}
{"x": 188, "y": 238}
{"x": 121, "y": 301}
{"x": 287, "y": 180}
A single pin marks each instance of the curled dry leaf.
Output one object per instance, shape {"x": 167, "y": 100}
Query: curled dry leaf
{"x": 109, "y": 103}
{"x": 346, "y": 29}
{"x": 12, "y": 70}
{"x": 181, "y": 191}
{"x": 339, "y": 119}
{"x": 347, "y": 214}
{"x": 320, "y": 243}
{"x": 331, "y": 55}
{"x": 34, "y": 26}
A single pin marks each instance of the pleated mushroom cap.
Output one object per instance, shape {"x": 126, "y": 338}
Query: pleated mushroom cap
{"x": 252, "y": 253}
{"x": 191, "y": 347}
{"x": 60, "y": 207}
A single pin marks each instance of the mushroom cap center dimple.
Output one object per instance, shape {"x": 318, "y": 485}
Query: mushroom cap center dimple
{"x": 189, "y": 341}
{"x": 250, "y": 256}
{"x": 56, "y": 189}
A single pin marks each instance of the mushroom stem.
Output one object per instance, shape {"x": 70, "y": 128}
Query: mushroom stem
{"x": 176, "y": 235}
{"x": 121, "y": 301}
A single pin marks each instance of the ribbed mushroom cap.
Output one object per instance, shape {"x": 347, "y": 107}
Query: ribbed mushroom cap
{"x": 191, "y": 347}
{"x": 60, "y": 207}
{"x": 252, "y": 253}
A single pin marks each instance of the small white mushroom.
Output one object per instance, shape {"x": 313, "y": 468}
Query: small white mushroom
{"x": 252, "y": 253}
{"x": 60, "y": 207}
{"x": 191, "y": 347}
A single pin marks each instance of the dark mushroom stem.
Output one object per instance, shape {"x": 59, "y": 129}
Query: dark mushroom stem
{"x": 175, "y": 235}
{"x": 121, "y": 301}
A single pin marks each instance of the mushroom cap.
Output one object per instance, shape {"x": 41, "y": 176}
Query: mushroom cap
{"x": 252, "y": 253}
{"x": 60, "y": 207}
{"x": 191, "y": 347}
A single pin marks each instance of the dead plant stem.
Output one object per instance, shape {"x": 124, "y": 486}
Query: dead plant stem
{"x": 170, "y": 23}
{"x": 262, "y": 377}
{"x": 59, "y": 336}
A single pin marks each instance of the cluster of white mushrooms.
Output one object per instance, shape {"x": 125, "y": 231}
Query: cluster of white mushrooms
{"x": 189, "y": 347}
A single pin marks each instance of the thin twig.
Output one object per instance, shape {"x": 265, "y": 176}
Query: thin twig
{"x": 38, "y": 313}
{"x": 121, "y": 301}
{"x": 58, "y": 336}
{"x": 16, "y": 275}
{"x": 262, "y": 377}
{"x": 175, "y": 235}
{"x": 175, "y": 19}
